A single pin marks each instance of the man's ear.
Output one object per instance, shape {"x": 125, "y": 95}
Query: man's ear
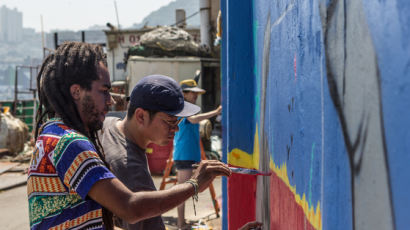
{"x": 75, "y": 91}
{"x": 140, "y": 115}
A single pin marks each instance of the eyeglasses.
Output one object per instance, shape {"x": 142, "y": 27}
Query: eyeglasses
{"x": 173, "y": 124}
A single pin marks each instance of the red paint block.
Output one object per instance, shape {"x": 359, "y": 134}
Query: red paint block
{"x": 285, "y": 213}
{"x": 241, "y": 200}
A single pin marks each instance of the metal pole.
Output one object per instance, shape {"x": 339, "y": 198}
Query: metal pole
{"x": 31, "y": 78}
{"x": 42, "y": 36}
{"x": 55, "y": 40}
{"x": 113, "y": 65}
{"x": 15, "y": 92}
{"x": 116, "y": 13}
{"x": 34, "y": 104}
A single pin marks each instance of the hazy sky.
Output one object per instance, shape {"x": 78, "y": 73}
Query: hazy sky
{"x": 81, "y": 14}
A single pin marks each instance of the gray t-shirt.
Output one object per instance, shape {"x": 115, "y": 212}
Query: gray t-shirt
{"x": 129, "y": 164}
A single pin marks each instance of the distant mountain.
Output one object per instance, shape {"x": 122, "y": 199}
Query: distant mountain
{"x": 97, "y": 27}
{"x": 166, "y": 14}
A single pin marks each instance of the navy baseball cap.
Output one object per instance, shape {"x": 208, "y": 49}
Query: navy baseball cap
{"x": 161, "y": 93}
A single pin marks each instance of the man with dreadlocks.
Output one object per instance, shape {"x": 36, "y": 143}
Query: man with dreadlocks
{"x": 69, "y": 183}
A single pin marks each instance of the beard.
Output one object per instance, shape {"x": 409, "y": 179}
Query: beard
{"x": 92, "y": 115}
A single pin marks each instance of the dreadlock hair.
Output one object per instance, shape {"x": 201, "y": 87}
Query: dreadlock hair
{"x": 72, "y": 63}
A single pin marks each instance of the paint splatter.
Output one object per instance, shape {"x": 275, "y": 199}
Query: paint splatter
{"x": 311, "y": 173}
{"x": 237, "y": 156}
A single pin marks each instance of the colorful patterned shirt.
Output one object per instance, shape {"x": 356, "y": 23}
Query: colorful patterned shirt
{"x": 64, "y": 167}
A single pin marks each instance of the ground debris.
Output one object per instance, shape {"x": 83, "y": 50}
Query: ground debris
{"x": 4, "y": 152}
{"x": 22, "y": 157}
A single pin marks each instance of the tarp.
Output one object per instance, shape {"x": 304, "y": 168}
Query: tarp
{"x": 13, "y": 133}
{"x": 168, "y": 41}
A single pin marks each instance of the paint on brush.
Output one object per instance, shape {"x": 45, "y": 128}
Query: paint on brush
{"x": 249, "y": 171}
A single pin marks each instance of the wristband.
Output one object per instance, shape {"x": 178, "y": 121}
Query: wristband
{"x": 194, "y": 183}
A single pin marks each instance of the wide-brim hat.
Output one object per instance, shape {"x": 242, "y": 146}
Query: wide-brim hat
{"x": 161, "y": 93}
{"x": 191, "y": 85}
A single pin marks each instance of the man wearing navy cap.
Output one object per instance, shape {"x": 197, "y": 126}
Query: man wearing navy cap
{"x": 155, "y": 104}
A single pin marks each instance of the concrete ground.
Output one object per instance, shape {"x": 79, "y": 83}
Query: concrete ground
{"x": 14, "y": 209}
{"x": 14, "y": 206}
{"x": 205, "y": 212}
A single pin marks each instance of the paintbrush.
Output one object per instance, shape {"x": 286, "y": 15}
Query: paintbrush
{"x": 243, "y": 171}
{"x": 249, "y": 171}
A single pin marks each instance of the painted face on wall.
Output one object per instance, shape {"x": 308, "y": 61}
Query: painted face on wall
{"x": 190, "y": 96}
{"x": 94, "y": 104}
{"x": 162, "y": 127}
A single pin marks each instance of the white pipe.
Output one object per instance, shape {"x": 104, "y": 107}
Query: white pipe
{"x": 204, "y": 8}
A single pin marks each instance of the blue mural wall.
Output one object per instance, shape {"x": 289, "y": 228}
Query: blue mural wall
{"x": 318, "y": 92}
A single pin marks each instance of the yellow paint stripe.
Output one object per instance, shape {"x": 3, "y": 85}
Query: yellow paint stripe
{"x": 243, "y": 159}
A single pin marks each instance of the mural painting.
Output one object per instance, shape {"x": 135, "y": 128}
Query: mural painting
{"x": 354, "y": 85}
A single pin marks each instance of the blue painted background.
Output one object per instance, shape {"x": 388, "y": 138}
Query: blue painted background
{"x": 237, "y": 100}
{"x": 389, "y": 23}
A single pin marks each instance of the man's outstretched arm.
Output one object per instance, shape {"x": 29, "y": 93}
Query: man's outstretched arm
{"x": 202, "y": 116}
{"x": 134, "y": 207}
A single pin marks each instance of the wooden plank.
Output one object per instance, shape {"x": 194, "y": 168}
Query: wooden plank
{"x": 12, "y": 180}
{"x": 5, "y": 166}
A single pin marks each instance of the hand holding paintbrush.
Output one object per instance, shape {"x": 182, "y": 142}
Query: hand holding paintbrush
{"x": 244, "y": 171}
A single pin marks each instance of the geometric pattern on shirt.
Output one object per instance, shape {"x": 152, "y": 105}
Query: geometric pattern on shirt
{"x": 48, "y": 197}
{"x": 44, "y": 206}
{"x": 64, "y": 142}
{"x": 90, "y": 220}
{"x": 37, "y": 155}
{"x": 44, "y": 184}
{"x": 82, "y": 164}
